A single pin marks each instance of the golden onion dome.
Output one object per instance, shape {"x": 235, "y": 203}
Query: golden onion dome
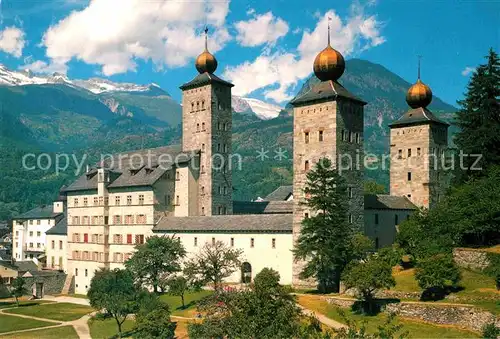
{"x": 419, "y": 95}
{"x": 329, "y": 64}
{"x": 206, "y": 62}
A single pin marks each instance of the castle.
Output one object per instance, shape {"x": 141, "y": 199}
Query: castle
{"x": 186, "y": 190}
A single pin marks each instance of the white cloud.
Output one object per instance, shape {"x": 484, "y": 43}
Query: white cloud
{"x": 117, "y": 33}
{"x": 261, "y": 29}
{"x": 278, "y": 73}
{"x": 468, "y": 70}
{"x": 40, "y": 66}
{"x": 12, "y": 41}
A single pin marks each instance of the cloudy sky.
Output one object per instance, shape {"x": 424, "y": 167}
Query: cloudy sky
{"x": 265, "y": 48}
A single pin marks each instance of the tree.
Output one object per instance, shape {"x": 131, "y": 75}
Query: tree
{"x": 391, "y": 255}
{"x": 115, "y": 292}
{"x": 436, "y": 274}
{"x": 178, "y": 286}
{"x": 372, "y": 187}
{"x": 213, "y": 263}
{"x": 153, "y": 319}
{"x": 266, "y": 310}
{"x": 18, "y": 288}
{"x": 327, "y": 240}
{"x": 479, "y": 118}
{"x": 367, "y": 277}
{"x": 158, "y": 257}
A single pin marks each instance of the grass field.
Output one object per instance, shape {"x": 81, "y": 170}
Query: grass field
{"x": 58, "y": 311}
{"x": 10, "y": 323}
{"x": 107, "y": 328}
{"x": 416, "y": 329}
{"x": 63, "y": 332}
{"x": 190, "y": 300}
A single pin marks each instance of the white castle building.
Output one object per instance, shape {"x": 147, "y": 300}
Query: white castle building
{"x": 186, "y": 190}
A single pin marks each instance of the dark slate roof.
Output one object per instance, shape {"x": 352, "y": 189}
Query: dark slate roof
{"x": 417, "y": 116}
{"x": 135, "y": 168}
{"x": 20, "y": 266}
{"x": 325, "y": 90}
{"x": 204, "y": 79}
{"x": 385, "y": 201}
{"x": 262, "y": 207}
{"x": 41, "y": 212}
{"x": 60, "y": 228}
{"x": 281, "y": 193}
{"x": 258, "y": 223}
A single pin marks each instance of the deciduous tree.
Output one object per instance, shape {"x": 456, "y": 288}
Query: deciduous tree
{"x": 18, "y": 288}
{"x": 436, "y": 274}
{"x": 155, "y": 259}
{"x": 153, "y": 319}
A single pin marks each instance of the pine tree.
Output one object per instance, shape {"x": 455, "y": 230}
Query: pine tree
{"x": 327, "y": 242}
{"x": 479, "y": 118}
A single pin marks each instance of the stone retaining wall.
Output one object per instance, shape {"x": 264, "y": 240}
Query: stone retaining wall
{"x": 461, "y": 316}
{"x": 53, "y": 282}
{"x": 470, "y": 258}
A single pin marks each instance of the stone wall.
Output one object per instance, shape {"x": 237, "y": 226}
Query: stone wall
{"x": 459, "y": 315}
{"x": 53, "y": 282}
{"x": 471, "y": 258}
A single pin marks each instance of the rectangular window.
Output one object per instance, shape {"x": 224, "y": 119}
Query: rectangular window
{"x": 195, "y": 241}
{"x": 86, "y": 272}
{"x": 38, "y": 222}
{"x": 409, "y": 176}
{"x": 306, "y": 137}
{"x": 376, "y": 219}
{"x": 31, "y": 222}
{"x": 75, "y": 202}
{"x": 38, "y": 245}
{"x": 418, "y": 151}
{"x": 213, "y": 241}
{"x": 400, "y": 154}
{"x": 252, "y": 242}
{"x": 85, "y": 201}
{"x": 177, "y": 201}
{"x": 396, "y": 219}
{"x": 139, "y": 239}
{"x": 101, "y": 201}
{"x": 76, "y": 272}
{"x": 52, "y": 244}
{"x": 60, "y": 244}
{"x": 117, "y": 201}
{"x": 129, "y": 200}
{"x": 96, "y": 201}
{"x": 85, "y": 238}
{"x": 409, "y": 152}
{"x": 141, "y": 199}
{"x": 129, "y": 238}
{"x": 232, "y": 242}
{"x": 320, "y": 136}
{"x": 273, "y": 243}
{"x": 31, "y": 233}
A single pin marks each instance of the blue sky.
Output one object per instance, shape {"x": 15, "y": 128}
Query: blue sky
{"x": 265, "y": 47}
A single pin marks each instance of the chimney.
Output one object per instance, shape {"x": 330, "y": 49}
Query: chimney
{"x": 58, "y": 207}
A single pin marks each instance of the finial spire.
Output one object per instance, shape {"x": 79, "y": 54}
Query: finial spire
{"x": 329, "y": 19}
{"x": 206, "y": 38}
{"x": 419, "y": 58}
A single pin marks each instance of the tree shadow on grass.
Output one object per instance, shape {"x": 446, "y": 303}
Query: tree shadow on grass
{"x": 373, "y": 307}
{"x": 439, "y": 293}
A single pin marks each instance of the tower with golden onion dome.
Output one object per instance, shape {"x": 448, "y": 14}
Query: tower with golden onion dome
{"x": 328, "y": 122}
{"x": 419, "y": 141}
{"x": 206, "y": 127}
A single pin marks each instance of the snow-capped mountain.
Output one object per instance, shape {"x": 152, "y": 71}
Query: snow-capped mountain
{"x": 95, "y": 85}
{"x": 261, "y": 109}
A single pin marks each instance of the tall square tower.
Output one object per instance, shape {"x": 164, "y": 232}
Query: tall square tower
{"x": 328, "y": 122}
{"x": 206, "y": 126}
{"x": 419, "y": 141}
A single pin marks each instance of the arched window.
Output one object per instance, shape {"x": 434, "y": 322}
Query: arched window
{"x": 197, "y": 127}
{"x": 203, "y": 104}
{"x": 197, "y": 105}
{"x": 306, "y": 165}
{"x": 202, "y": 126}
{"x": 192, "y": 107}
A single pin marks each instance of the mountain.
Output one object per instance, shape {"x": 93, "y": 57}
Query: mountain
{"x": 261, "y": 109}
{"x": 54, "y": 114}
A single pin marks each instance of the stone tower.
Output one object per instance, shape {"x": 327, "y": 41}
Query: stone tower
{"x": 419, "y": 141}
{"x": 206, "y": 126}
{"x": 328, "y": 122}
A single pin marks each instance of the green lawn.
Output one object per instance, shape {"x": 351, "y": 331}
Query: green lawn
{"x": 63, "y": 332}
{"x": 55, "y": 311}
{"x": 416, "y": 329}
{"x": 7, "y": 304}
{"x": 11, "y": 323}
{"x": 190, "y": 300}
{"x": 107, "y": 328}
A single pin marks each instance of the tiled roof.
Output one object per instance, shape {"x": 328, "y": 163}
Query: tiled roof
{"x": 61, "y": 228}
{"x": 282, "y": 193}
{"x": 41, "y": 212}
{"x": 262, "y": 207}
{"x": 417, "y": 116}
{"x": 265, "y": 223}
{"x": 135, "y": 168}
{"x": 323, "y": 91}
{"x": 204, "y": 79}
{"x": 385, "y": 201}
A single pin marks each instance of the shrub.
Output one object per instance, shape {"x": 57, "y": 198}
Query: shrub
{"x": 436, "y": 275}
